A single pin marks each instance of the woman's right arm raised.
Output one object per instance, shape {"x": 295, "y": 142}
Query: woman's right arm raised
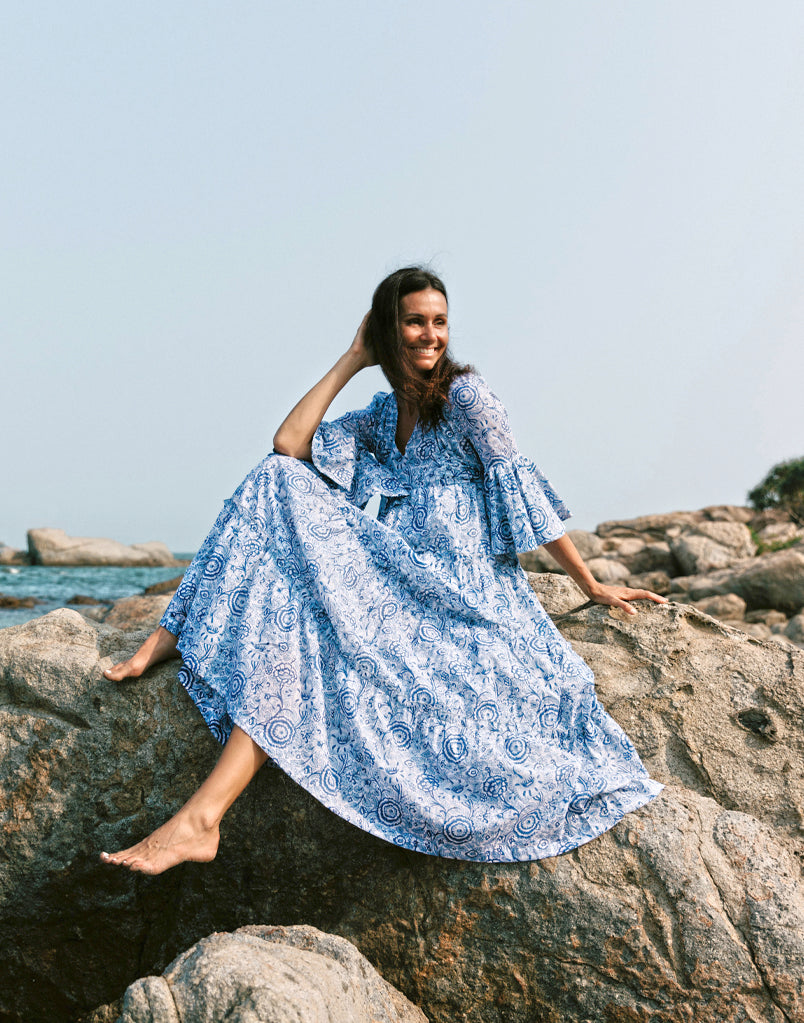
{"x": 295, "y": 436}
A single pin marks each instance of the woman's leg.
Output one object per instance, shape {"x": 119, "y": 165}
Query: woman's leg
{"x": 159, "y": 646}
{"x": 193, "y": 833}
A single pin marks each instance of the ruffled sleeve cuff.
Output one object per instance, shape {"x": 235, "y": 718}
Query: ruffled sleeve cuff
{"x": 524, "y": 511}
{"x": 338, "y": 455}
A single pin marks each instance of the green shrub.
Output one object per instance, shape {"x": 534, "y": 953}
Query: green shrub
{"x": 783, "y": 488}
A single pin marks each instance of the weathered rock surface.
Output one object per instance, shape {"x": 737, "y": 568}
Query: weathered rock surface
{"x": 690, "y": 909}
{"x": 54, "y": 547}
{"x": 280, "y": 974}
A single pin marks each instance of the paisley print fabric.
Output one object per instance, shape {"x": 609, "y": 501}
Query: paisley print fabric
{"x": 400, "y": 668}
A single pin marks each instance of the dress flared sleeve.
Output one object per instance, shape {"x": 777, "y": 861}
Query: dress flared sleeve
{"x": 344, "y": 452}
{"x": 523, "y": 509}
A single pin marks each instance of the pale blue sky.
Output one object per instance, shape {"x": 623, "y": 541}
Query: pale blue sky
{"x": 199, "y": 198}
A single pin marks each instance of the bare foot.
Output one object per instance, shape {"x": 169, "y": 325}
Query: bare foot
{"x": 184, "y": 837}
{"x": 159, "y": 646}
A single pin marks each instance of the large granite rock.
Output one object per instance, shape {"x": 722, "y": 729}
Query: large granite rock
{"x": 281, "y": 974}
{"x": 774, "y": 580}
{"x": 54, "y": 547}
{"x": 690, "y": 909}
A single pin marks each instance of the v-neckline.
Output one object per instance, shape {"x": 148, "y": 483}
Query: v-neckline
{"x": 399, "y": 451}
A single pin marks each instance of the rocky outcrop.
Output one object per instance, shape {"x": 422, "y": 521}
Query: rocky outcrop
{"x": 133, "y": 613}
{"x": 773, "y": 581}
{"x": 54, "y": 547}
{"x": 708, "y": 546}
{"x": 169, "y": 586}
{"x": 8, "y": 602}
{"x": 281, "y": 974}
{"x": 726, "y": 560}
{"x": 690, "y": 909}
{"x": 11, "y": 556}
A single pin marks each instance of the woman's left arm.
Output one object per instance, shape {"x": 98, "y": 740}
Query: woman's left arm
{"x": 564, "y": 551}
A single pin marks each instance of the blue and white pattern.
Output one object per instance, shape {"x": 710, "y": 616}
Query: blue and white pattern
{"x": 401, "y": 669}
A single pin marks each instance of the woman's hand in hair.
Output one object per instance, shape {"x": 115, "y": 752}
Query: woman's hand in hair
{"x": 360, "y": 347}
{"x": 295, "y": 436}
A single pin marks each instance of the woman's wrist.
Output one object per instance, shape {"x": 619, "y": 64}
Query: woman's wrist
{"x": 592, "y": 588}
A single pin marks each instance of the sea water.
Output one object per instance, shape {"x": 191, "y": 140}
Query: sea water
{"x": 55, "y": 587}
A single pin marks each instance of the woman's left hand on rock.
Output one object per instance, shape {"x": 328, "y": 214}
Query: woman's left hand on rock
{"x": 618, "y": 596}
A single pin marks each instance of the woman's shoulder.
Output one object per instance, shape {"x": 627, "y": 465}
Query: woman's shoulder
{"x": 469, "y": 391}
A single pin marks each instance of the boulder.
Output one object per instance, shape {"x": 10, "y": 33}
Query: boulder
{"x": 712, "y": 545}
{"x": 657, "y": 527}
{"x": 658, "y": 582}
{"x": 795, "y": 629}
{"x": 691, "y": 908}
{"x": 588, "y": 545}
{"x": 774, "y": 533}
{"x": 132, "y": 613}
{"x": 557, "y": 594}
{"x": 95, "y": 612}
{"x": 13, "y": 603}
{"x": 11, "y": 556}
{"x": 640, "y": 556}
{"x": 770, "y": 580}
{"x": 768, "y": 616}
{"x": 728, "y": 513}
{"x": 608, "y": 570}
{"x": 728, "y": 606}
{"x": 281, "y": 974}
{"x": 159, "y": 589}
{"x": 757, "y": 629}
{"x": 54, "y": 547}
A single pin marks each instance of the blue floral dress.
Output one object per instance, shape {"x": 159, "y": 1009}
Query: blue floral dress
{"x": 400, "y": 668}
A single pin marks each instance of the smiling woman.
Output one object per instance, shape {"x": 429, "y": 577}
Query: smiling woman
{"x": 400, "y": 668}
{"x": 423, "y": 328}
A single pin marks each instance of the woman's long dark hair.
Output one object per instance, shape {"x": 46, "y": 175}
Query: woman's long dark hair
{"x": 429, "y": 394}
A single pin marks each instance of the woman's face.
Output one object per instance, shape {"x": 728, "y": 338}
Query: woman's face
{"x": 424, "y": 328}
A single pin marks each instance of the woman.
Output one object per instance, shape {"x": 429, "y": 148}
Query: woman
{"x": 398, "y": 668}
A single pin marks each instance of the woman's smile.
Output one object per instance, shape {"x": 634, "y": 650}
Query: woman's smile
{"x": 424, "y": 327}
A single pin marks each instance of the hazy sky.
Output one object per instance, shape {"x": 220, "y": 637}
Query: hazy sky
{"x": 199, "y": 198}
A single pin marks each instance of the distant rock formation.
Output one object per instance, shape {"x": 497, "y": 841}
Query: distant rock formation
{"x": 690, "y": 909}
{"x": 54, "y": 547}
{"x": 11, "y": 556}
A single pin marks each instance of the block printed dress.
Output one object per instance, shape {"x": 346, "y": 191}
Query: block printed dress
{"x": 400, "y": 668}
